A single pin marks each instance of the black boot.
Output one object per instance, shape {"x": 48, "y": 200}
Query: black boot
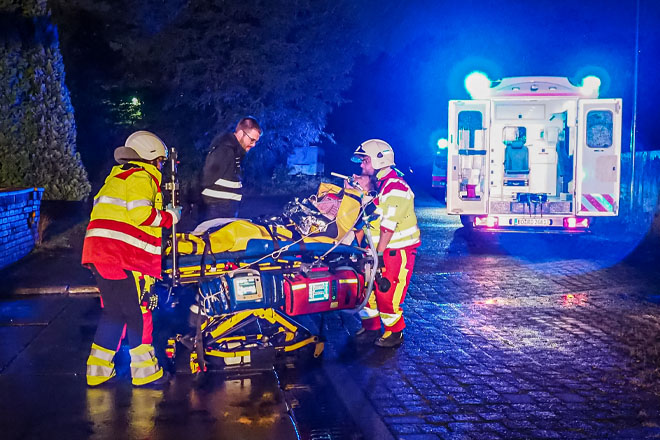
{"x": 366, "y": 336}
{"x": 390, "y": 339}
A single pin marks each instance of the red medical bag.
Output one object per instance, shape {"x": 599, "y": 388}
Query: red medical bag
{"x": 320, "y": 290}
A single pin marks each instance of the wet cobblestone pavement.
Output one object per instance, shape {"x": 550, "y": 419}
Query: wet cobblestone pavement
{"x": 509, "y": 337}
{"x": 503, "y": 346}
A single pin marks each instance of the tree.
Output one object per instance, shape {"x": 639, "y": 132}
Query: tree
{"x": 198, "y": 66}
{"x": 37, "y": 127}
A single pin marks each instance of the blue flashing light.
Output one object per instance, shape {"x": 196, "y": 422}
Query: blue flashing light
{"x": 590, "y": 86}
{"x": 442, "y": 144}
{"x": 477, "y": 84}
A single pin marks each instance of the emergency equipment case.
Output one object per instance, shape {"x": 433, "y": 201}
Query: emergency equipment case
{"x": 251, "y": 278}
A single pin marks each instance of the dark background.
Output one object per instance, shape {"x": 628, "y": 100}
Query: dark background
{"x": 413, "y": 58}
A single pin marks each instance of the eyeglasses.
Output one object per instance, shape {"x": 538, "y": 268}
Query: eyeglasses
{"x": 250, "y": 137}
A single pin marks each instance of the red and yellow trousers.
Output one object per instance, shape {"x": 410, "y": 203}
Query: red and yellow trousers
{"x": 385, "y": 305}
{"x": 134, "y": 283}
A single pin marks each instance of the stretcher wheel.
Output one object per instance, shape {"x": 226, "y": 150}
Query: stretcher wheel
{"x": 170, "y": 354}
{"x": 318, "y": 349}
{"x": 196, "y": 368}
{"x": 170, "y": 348}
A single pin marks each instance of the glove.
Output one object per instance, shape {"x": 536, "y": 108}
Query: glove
{"x": 150, "y": 300}
{"x": 381, "y": 261}
{"x": 175, "y": 211}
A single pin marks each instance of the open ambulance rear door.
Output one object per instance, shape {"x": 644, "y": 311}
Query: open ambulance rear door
{"x": 467, "y": 162}
{"x": 598, "y": 170}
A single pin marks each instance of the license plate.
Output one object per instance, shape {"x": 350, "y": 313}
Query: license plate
{"x": 529, "y": 221}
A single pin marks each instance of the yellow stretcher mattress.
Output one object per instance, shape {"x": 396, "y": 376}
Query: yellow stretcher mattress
{"x": 329, "y": 217}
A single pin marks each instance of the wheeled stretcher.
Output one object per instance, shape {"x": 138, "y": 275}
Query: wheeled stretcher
{"x": 252, "y": 278}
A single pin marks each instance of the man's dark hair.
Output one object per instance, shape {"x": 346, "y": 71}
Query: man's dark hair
{"x": 249, "y": 123}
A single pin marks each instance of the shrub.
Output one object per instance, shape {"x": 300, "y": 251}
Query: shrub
{"x": 37, "y": 127}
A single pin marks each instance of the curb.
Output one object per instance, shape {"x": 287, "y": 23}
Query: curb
{"x": 56, "y": 290}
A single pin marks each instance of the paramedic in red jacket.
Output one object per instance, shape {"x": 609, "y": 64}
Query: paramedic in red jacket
{"x": 396, "y": 237}
{"x": 123, "y": 249}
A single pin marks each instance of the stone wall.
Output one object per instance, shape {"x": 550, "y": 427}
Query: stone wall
{"x": 19, "y": 222}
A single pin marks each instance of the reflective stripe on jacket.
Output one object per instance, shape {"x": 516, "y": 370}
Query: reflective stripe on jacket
{"x": 126, "y": 221}
{"x": 395, "y": 210}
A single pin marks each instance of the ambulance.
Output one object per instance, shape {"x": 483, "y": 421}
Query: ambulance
{"x": 533, "y": 153}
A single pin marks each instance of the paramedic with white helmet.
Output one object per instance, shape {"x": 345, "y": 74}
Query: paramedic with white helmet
{"x": 396, "y": 237}
{"x": 122, "y": 247}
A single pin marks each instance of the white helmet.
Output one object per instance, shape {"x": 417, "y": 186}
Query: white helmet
{"x": 141, "y": 145}
{"x": 379, "y": 151}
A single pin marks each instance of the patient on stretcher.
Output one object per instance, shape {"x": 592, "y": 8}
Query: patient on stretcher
{"x": 325, "y": 217}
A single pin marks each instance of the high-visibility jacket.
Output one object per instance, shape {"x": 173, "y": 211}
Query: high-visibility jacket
{"x": 125, "y": 226}
{"x": 395, "y": 210}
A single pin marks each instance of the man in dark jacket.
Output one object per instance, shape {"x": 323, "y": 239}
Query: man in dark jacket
{"x": 221, "y": 177}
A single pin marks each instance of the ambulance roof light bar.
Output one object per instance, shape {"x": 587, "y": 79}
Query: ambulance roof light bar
{"x": 479, "y": 86}
{"x": 590, "y": 86}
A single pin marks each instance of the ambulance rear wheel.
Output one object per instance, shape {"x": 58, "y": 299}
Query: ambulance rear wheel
{"x": 467, "y": 222}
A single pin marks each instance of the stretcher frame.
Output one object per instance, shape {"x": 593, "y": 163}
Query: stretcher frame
{"x": 218, "y": 340}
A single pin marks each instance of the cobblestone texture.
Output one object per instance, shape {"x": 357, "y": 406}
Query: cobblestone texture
{"x": 547, "y": 342}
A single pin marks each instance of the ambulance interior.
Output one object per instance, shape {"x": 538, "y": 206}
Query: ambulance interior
{"x": 526, "y": 158}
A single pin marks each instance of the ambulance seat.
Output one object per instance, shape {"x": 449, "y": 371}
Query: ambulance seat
{"x": 516, "y": 158}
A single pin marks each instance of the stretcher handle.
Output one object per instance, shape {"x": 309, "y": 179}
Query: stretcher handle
{"x": 349, "y": 179}
{"x": 372, "y": 274}
{"x": 173, "y": 187}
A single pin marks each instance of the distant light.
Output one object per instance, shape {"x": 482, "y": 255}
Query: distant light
{"x": 478, "y": 85}
{"x": 490, "y": 301}
{"x": 572, "y": 300}
{"x": 442, "y": 144}
{"x": 590, "y": 86}
{"x": 135, "y": 101}
{"x": 487, "y": 221}
{"x": 576, "y": 222}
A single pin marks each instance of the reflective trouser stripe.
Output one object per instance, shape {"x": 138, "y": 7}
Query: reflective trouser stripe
{"x": 398, "y": 270}
{"x": 401, "y": 286}
{"x": 144, "y": 365}
{"x": 389, "y": 319}
{"x": 100, "y": 367}
{"x": 369, "y": 314}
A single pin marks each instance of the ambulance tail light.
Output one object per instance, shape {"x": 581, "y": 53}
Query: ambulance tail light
{"x": 575, "y": 222}
{"x": 486, "y": 221}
